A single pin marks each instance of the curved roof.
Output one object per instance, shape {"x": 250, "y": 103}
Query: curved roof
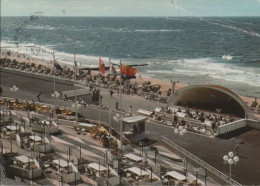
{"x": 224, "y": 89}
{"x": 211, "y": 97}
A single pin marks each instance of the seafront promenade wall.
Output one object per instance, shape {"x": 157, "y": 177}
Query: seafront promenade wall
{"x": 38, "y": 76}
{"x": 253, "y": 123}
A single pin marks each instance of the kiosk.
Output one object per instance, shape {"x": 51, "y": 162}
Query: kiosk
{"x": 134, "y": 128}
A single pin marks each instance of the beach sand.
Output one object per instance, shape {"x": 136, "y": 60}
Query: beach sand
{"x": 165, "y": 85}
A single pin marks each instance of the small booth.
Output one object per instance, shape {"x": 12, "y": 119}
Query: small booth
{"x": 23, "y": 166}
{"x": 44, "y": 126}
{"x": 134, "y": 128}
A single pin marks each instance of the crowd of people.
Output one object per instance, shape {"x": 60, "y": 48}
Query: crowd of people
{"x": 146, "y": 89}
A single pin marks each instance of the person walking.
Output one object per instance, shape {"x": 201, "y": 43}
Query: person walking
{"x": 111, "y": 93}
{"x": 236, "y": 149}
{"x": 39, "y": 96}
{"x": 116, "y": 104}
{"x": 130, "y": 110}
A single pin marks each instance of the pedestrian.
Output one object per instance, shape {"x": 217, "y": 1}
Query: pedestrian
{"x": 130, "y": 110}
{"x": 116, "y": 104}
{"x": 111, "y": 93}
{"x": 101, "y": 100}
{"x": 236, "y": 149}
{"x": 39, "y": 96}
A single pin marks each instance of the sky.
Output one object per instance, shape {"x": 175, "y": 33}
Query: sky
{"x": 131, "y": 7}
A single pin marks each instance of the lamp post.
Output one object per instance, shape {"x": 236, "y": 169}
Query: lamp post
{"x": 55, "y": 94}
{"x": 141, "y": 148}
{"x": 76, "y": 106}
{"x": 230, "y": 159}
{"x": 218, "y": 111}
{"x": 181, "y": 131}
{"x": 14, "y": 88}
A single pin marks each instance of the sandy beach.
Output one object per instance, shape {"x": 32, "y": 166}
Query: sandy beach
{"x": 140, "y": 79}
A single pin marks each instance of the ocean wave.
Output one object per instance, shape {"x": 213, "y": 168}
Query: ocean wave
{"x": 46, "y": 27}
{"x": 45, "y": 53}
{"x": 162, "y": 30}
{"x": 116, "y": 29}
{"x": 227, "y": 57}
{"x": 212, "y": 67}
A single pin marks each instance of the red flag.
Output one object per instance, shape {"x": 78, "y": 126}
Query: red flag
{"x": 128, "y": 71}
{"x": 101, "y": 66}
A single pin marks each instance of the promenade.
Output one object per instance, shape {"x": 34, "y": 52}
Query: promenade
{"x": 211, "y": 150}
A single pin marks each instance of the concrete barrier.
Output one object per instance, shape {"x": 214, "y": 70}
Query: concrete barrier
{"x": 38, "y": 76}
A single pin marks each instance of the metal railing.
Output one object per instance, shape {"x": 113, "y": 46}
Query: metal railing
{"x": 200, "y": 162}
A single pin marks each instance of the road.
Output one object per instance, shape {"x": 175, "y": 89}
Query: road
{"x": 211, "y": 150}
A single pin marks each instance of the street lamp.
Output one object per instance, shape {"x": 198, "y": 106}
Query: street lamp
{"x": 181, "y": 130}
{"x": 14, "y": 88}
{"x": 203, "y": 131}
{"x": 76, "y": 106}
{"x": 55, "y": 94}
{"x": 230, "y": 159}
{"x": 218, "y": 111}
{"x": 141, "y": 148}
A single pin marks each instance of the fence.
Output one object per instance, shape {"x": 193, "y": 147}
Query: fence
{"x": 231, "y": 126}
{"x": 200, "y": 162}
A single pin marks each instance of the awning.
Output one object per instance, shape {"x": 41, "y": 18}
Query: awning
{"x": 134, "y": 119}
{"x": 137, "y": 171}
{"x": 157, "y": 109}
{"x": 97, "y": 167}
{"x": 176, "y": 175}
{"x": 62, "y": 163}
{"x": 86, "y": 125}
{"x": 144, "y": 112}
{"x": 35, "y": 138}
{"x": 23, "y": 159}
{"x": 12, "y": 127}
{"x": 133, "y": 157}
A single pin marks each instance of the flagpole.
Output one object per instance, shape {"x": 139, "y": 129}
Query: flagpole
{"x": 76, "y": 97}
{"x": 99, "y": 95}
{"x": 54, "y": 87}
{"x": 120, "y": 91}
{"x": 109, "y": 79}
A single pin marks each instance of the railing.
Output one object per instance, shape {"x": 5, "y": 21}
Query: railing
{"x": 231, "y": 126}
{"x": 200, "y": 162}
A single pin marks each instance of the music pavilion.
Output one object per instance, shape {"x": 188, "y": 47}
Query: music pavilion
{"x": 210, "y": 98}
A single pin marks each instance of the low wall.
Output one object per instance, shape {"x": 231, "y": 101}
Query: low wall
{"x": 238, "y": 125}
{"x": 253, "y": 123}
{"x": 43, "y": 148}
{"x": 48, "y": 130}
{"x": 37, "y": 76}
{"x": 70, "y": 178}
{"x": 231, "y": 126}
{"x": 24, "y": 173}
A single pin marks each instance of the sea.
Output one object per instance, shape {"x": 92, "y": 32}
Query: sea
{"x": 192, "y": 50}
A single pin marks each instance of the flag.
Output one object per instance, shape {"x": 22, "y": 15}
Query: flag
{"x": 57, "y": 65}
{"x": 128, "y": 72}
{"x": 113, "y": 70}
{"x": 101, "y": 66}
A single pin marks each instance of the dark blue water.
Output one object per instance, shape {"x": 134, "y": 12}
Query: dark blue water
{"x": 195, "y": 50}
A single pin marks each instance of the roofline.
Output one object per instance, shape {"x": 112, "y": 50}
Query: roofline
{"x": 248, "y": 112}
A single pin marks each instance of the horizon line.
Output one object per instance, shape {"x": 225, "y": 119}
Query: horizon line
{"x": 128, "y": 16}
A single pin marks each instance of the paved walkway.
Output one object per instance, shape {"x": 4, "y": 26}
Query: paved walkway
{"x": 210, "y": 150}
